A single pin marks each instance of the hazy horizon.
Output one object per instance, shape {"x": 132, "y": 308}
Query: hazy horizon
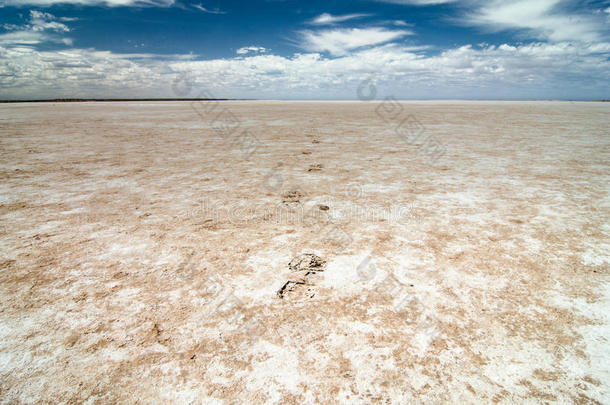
{"x": 76, "y": 100}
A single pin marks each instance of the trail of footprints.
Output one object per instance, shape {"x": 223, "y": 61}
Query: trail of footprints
{"x": 305, "y": 266}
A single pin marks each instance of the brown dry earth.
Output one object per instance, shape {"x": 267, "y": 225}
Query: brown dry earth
{"x": 143, "y": 246}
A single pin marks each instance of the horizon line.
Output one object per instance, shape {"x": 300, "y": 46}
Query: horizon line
{"x": 84, "y": 100}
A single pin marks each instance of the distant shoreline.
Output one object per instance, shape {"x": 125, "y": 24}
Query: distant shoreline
{"x": 89, "y": 100}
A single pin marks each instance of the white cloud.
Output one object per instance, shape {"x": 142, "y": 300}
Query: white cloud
{"x": 251, "y": 49}
{"x": 110, "y": 3}
{"x": 22, "y": 38}
{"x": 418, "y": 2}
{"x": 41, "y": 27}
{"x": 539, "y": 70}
{"x": 76, "y": 71}
{"x": 342, "y": 41}
{"x": 207, "y": 10}
{"x": 325, "y": 18}
{"x": 40, "y": 21}
{"x": 535, "y": 70}
{"x": 542, "y": 19}
{"x": 551, "y": 20}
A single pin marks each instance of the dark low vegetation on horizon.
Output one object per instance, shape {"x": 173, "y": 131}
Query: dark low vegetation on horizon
{"x": 80, "y": 100}
{"x": 83, "y": 100}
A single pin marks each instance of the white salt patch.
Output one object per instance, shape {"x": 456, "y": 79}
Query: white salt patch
{"x": 282, "y": 239}
{"x": 127, "y": 293}
{"x": 412, "y": 260}
{"x": 336, "y": 340}
{"x": 595, "y": 338}
{"x": 5, "y": 198}
{"x": 209, "y": 401}
{"x": 48, "y": 226}
{"x": 367, "y": 360}
{"x": 218, "y": 373}
{"x": 361, "y": 327}
{"x": 279, "y": 371}
{"x": 341, "y": 275}
{"x": 270, "y": 270}
{"x": 381, "y": 188}
{"x": 595, "y": 258}
{"x": 533, "y": 245}
{"x": 115, "y": 355}
{"x": 513, "y": 361}
{"x": 124, "y": 250}
{"x": 74, "y": 211}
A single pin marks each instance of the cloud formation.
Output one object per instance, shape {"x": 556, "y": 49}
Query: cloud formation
{"x": 41, "y": 27}
{"x": 535, "y": 70}
{"x": 110, "y": 3}
{"x": 327, "y": 19}
{"x": 341, "y": 41}
{"x": 541, "y": 19}
{"x": 552, "y": 20}
{"x": 418, "y": 2}
{"x": 207, "y": 10}
{"x": 250, "y": 49}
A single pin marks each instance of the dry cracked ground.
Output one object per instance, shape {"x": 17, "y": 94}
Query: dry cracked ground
{"x": 305, "y": 252}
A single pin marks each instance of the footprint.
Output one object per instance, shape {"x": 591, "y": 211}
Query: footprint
{"x": 304, "y": 267}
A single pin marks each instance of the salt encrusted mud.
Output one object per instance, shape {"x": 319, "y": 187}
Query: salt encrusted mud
{"x": 142, "y": 246}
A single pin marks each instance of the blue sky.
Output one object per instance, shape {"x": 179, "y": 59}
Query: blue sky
{"x": 288, "y": 49}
